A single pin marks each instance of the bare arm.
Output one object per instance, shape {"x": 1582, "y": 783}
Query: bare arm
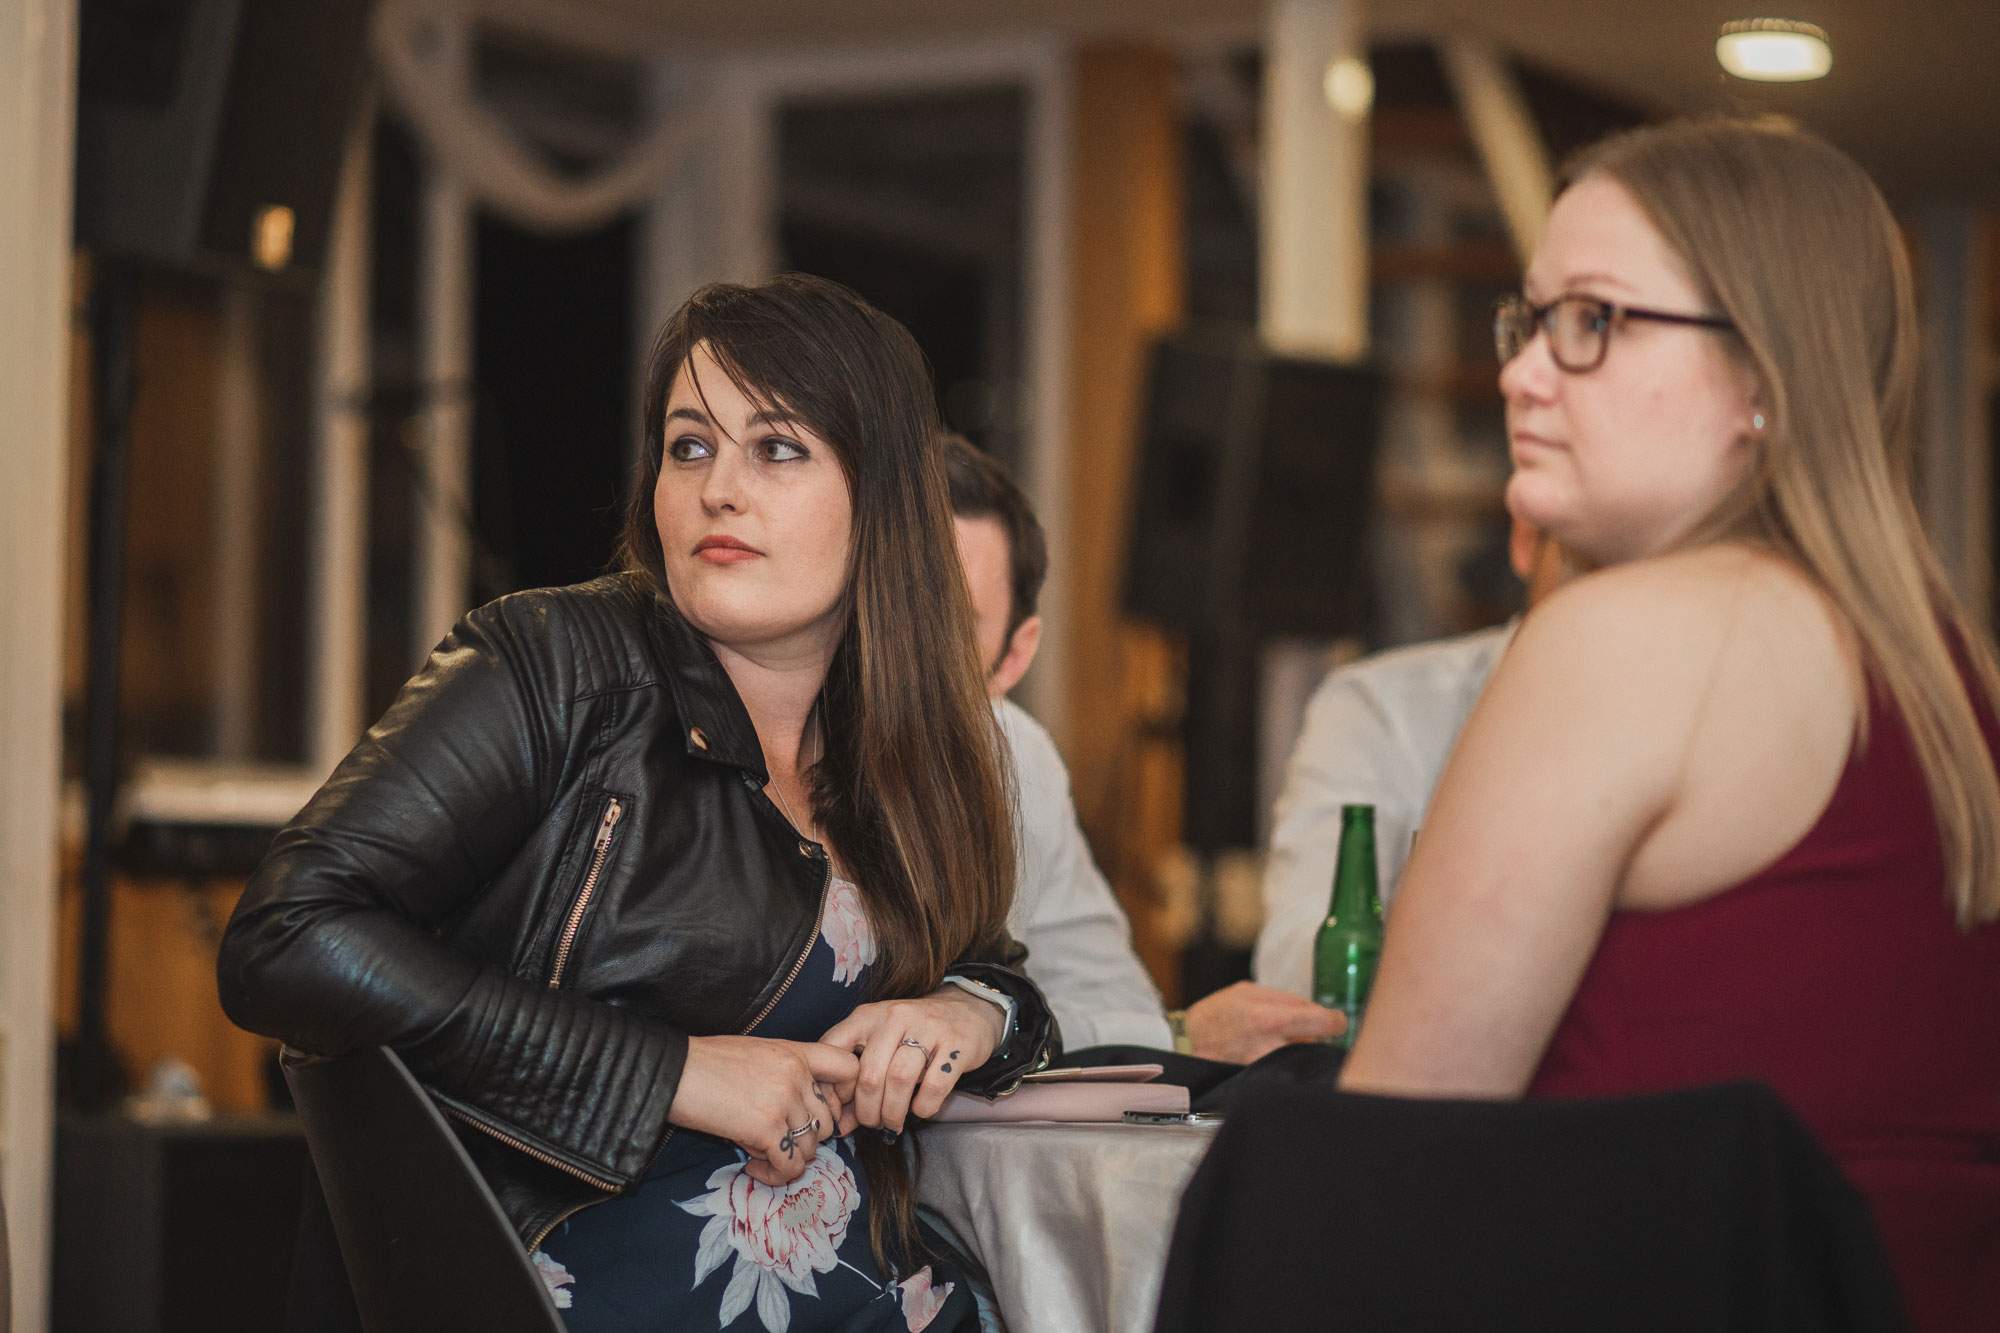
{"x": 1572, "y": 756}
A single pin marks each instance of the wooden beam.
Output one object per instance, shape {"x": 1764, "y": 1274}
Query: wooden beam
{"x": 37, "y": 119}
{"x": 1517, "y": 161}
{"x": 1954, "y": 472}
{"x": 1314, "y": 220}
{"x": 1127, "y": 288}
{"x": 336, "y": 675}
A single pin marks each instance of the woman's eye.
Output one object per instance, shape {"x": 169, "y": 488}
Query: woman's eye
{"x": 687, "y": 448}
{"x": 778, "y": 449}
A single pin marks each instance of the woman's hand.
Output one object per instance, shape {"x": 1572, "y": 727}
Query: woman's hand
{"x": 777, "y": 1100}
{"x": 911, "y": 1052}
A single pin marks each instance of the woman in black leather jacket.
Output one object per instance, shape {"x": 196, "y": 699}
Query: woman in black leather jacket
{"x": 667, "y": 883}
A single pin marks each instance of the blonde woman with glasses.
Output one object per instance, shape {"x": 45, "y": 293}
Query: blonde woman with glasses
{"x": 1727, "y": 809}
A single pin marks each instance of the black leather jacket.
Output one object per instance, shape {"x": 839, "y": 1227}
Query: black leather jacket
{"x": 548, "y": 865}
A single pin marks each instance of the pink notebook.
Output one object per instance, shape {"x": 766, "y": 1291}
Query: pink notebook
{"x": 1088, "y": 1095}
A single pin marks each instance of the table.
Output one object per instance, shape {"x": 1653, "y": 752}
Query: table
{"x": 1072, "y": 1220}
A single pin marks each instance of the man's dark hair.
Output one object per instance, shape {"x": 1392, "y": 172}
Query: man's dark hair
{"x": 981, "y": 488}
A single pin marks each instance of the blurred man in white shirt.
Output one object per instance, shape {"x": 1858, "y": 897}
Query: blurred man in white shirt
{"x": 1079, "y": 942}
{"x": 1377, "y": 732}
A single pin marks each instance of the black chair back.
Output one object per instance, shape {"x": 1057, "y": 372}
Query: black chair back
{"x": 425, "y": 1242}
{"x": 1708, "y": 1209}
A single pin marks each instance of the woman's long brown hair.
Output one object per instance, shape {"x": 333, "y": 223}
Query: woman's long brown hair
{"x": 1788, "y": 237}
{"x": 912, "y": 784}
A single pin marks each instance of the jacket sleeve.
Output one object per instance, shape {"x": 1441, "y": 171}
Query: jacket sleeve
{"x": 1032, "y": 1041}
{"x": 334, "y": 944}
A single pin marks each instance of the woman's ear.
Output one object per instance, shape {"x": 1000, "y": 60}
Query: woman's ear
{"x": 1020, "y": 655}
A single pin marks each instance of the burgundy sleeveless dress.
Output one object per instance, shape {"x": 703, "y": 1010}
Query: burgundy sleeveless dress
{"x": 1838, "y": 977}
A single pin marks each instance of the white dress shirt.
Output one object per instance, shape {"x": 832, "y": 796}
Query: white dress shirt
{"x": 1079, "y": 942}
{"x": 1378, "y": 733}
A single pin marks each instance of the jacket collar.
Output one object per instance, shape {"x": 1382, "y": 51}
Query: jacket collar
{"x": 714, "y": 724}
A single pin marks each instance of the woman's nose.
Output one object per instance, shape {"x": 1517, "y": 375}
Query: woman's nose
{"x": 722, "y": 485}
{"x": 1531, "y": 374}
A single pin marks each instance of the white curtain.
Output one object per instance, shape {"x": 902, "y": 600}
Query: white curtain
{"x": 499, "y": 169}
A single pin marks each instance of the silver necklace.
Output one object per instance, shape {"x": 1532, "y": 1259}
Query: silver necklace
{"x": 786, "y": 806}
{"x": 805, "y": 829}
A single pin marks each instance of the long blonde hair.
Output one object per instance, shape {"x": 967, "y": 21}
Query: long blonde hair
{"x": 1789, "y": 238}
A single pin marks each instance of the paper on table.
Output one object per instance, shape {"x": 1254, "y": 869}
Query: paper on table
{"x": 1077, "y": 1100}
{"x": 1097, "y": 1074}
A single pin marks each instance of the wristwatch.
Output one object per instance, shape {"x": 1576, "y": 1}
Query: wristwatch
{"x": 999, "y": 999}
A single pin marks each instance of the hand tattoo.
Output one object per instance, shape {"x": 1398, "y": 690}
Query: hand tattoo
{"x": 817, "y": 1093}
{"x": 785, "y": 1144}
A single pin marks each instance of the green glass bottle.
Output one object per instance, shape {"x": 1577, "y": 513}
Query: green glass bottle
{"x": 1350, "y": 939}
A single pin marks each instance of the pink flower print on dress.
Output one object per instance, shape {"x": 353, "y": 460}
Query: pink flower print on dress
{"x": 780, "y": 1236}
{"x": 848, "y": 934}
{"x": 922, "y": 1301}
{"x": 555, "y": 1277}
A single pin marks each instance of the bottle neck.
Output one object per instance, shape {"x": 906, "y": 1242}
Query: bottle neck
{"x": 1354, "y": 885}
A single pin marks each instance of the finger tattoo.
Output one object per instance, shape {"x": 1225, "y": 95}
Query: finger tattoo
{"x": 785, "y": 1144}
{"x": 947, "y": 1064}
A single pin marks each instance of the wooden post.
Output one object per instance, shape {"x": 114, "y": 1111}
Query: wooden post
{"x": 1955, "y": 452}
{"x": 1516, "y": 159}
{"x": 442, "y": 577}
{"x": 1315, "y": 215}
{"x": 1127, "y": 280}
{"x": 37, "y": 119}
{"x": 337, "y": 669}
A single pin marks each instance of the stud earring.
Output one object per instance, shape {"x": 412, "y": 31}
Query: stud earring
{"x": 1756, "y": 421}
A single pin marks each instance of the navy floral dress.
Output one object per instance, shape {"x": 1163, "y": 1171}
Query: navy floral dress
{"x": 700, "y": 1245}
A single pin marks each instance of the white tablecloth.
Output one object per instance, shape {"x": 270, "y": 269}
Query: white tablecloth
{"x": 1073, "y": 1221}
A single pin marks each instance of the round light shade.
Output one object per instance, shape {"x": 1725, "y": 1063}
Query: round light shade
{"x": 1350, "y": 87}
{"x": 1774, "y": 50}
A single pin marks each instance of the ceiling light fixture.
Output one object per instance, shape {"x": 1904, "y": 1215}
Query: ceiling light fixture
{"x": 1774, "y": 50}
{"x": 1350, "y": 88}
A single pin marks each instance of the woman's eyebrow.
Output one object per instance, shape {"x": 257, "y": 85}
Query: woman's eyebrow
{"x": 771, "y": 417}
{"x": 1577, "y": 284}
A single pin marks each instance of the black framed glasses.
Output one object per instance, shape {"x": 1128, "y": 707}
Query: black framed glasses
{"x": 1579, "y": 327}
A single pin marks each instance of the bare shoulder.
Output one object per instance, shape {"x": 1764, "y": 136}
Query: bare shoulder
{"x": 1651, "y": 623}
{"x": 1740, "y": 670}
{"x": 1683, "y": 608}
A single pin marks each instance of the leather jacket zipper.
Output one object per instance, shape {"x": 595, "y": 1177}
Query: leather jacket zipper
{"x": 534, "y": 1152}
{"x": 798, "y": 966}
{"x": 799, "y": 963}
{"x": 614, "y": 809}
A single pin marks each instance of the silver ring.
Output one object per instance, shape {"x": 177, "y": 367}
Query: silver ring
{"x": 912, "y": 1041}
{"x": 812, "y": 1125}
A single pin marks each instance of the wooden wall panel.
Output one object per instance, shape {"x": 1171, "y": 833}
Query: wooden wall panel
{"x": 1128, "y": 279}
{"x": 160, "y": 989}
{"x": 160, "y": 995}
